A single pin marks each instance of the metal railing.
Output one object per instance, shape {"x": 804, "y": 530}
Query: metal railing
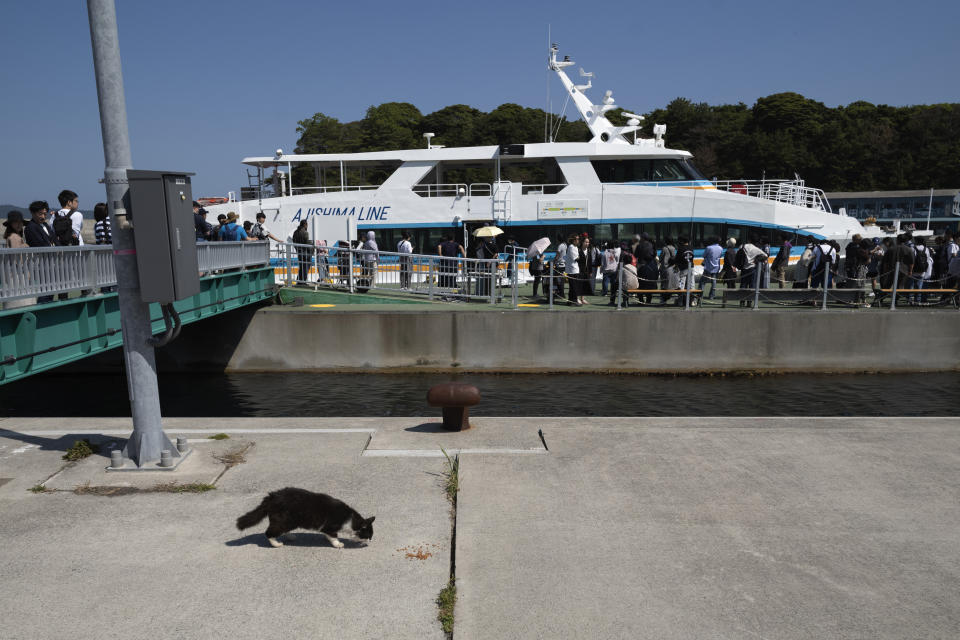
{"x": 787, "y": 191}
{"x": 358, "y": 270}
{"x": 440, "y": 190}
{"x": 542, "y": 189}
{"x": 45, "y": 271}
{"x": 297, "y": 191}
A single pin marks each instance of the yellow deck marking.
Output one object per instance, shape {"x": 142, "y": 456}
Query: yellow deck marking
{"x": 528, "y": 305}
{"x": 322, "y": 306}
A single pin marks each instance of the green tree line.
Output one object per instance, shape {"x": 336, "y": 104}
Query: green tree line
{"x": 856, "y": 147}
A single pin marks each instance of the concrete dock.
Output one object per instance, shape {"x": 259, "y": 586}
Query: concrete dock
{"x": 564, "y": 528}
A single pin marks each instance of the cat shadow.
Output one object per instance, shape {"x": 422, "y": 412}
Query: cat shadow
{"x": 429, "y": 427}
{"x": 301, "y": 539}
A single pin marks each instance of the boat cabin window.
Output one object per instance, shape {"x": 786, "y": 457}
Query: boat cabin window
{"x": 646, "y": 170}
{"x": 314, "y": 177}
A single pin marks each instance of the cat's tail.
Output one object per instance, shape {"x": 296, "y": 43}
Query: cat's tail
{"x": 247, "y": 520}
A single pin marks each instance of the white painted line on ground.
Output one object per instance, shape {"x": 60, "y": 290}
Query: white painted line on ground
{"x": 437, "y": 453}
{"x": 124, "y": 432}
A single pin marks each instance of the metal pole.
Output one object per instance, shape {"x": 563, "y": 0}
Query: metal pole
{"x": 515, "y": 279}
{"x": 148, "y": 439}
{"x": 896, "y": 277}
{"x": 350, "y": 278}
{"x": 756, "y": 283}
{"x": 826, "y": 279}
{"x": 551, "y": 287}
{"x": 494, "y": 266}
{"x": 430, "y": 278}
{"x": 689, "y": 257}
{"x": 620, "y": 285}
{"x": 929, "y": 208}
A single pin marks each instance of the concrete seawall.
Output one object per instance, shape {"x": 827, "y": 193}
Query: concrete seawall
{"x": 283, "y": 339}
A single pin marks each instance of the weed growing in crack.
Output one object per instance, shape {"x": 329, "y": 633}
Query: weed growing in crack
{"x": 452, "y": 474}
{"x": 80, "y": 450}
{"x": 446, "y": 601}
{"x": 218, "y": 436}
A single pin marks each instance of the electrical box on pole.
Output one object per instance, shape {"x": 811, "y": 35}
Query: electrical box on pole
{"x": 161, "y": 211}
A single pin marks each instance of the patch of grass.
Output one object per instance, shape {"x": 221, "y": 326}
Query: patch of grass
{"x": 164, "y": 487}
{"x": 86, "y": 490}
{"x": 39, "y": 488}
{"x": 192, "y": 487}
{"x": 446, "y": 601}
{"x": 452, "y": 474}
{"x": 80, "y": 450}
{"x": 233, "y": 457}
{"x": 218, "y": 436}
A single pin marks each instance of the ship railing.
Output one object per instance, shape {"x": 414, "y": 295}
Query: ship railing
{"x": 26, "y": 274}
{"x": 299, "y": 191}
{"x": 481, "y": 190}
{"x": 541, "y": 189}
{"x": 359, "y": 270}
{"x": 793, "y": 192}
{"x": 454, "y": 190}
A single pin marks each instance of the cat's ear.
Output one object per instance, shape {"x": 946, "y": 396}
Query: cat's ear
{"x": 369, "y": 520}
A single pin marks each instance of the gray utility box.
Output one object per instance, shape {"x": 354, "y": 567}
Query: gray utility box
{"x": 161, "y": 210}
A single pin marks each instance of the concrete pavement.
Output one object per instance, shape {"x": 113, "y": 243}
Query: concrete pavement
{"x": 624, "y": 528}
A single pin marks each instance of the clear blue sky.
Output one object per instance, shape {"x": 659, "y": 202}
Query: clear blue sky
{"x": 208, "y": 83}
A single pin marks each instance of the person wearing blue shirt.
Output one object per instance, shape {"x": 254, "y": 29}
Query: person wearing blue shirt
{"x": 232, "y": 231}
{"x": 711, "y": 268}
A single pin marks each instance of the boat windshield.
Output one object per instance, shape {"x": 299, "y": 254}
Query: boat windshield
{"x": 646, "y": 170}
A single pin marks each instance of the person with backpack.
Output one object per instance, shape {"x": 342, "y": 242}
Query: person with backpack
{"x": 68, "y": 234}
{"x": 782, "y": 261}
{"x": 231, "y": 231}
{"x": 259, "y": 232}
{"x": 824, "y": 262}
{"x": 728, "y": 275}
{"x": 535, "y": 267}
{"x": 801, "y": 272}
{"x": 609, "y": 262}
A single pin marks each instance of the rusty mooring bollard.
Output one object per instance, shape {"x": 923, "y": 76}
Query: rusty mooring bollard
{"x": 455, "y": 398}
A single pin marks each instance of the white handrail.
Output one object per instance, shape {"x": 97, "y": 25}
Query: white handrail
{"x": 42, "y": 271}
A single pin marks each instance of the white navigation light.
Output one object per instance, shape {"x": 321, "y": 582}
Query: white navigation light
{"x": 279, "y": 152}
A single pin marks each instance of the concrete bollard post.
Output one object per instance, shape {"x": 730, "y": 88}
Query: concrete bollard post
{"x": 116, "y": 459}
{"x": 166, "y": 458}
{"x": 182, "y": 445}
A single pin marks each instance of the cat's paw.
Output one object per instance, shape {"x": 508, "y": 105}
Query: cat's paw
{"x": 336, "y": 543}
{"x": 274, "y": 542}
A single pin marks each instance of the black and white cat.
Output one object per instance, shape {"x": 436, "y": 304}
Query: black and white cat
{"x": 292, "y": 508}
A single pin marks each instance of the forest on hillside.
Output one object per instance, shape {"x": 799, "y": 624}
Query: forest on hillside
{"x": 857, "y": 147}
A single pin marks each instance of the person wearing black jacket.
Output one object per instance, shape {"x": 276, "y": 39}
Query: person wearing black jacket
{"x": 647, "y": 271}
{"x": 780, "y": 263}
{"x": 36, "y": 232}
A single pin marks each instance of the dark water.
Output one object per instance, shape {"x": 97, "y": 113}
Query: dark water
{"x": 304, "y": 394}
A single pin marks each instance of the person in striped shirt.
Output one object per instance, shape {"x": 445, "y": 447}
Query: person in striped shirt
{"x": 101, "y": 227}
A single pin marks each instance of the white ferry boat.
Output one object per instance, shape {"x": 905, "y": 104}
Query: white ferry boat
{"x": 612, "y": 187}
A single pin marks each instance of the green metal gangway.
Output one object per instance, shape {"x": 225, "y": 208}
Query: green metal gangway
{"x": 39, "y": 337}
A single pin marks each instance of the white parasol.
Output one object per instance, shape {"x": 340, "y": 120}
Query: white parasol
{"x": 538, "y": 247}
